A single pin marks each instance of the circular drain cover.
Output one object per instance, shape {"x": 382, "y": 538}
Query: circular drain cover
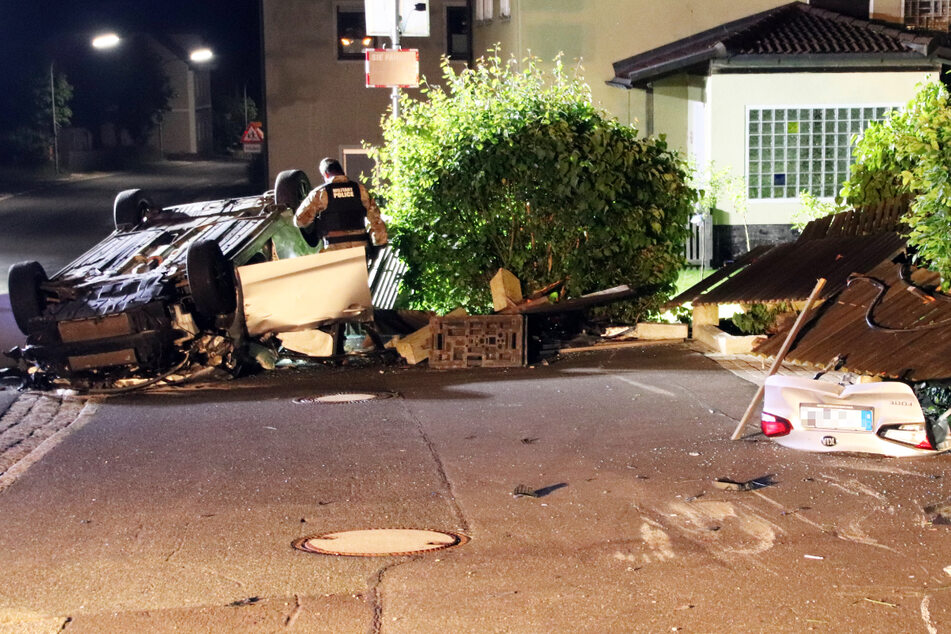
{"x": 344, "y": 397}
{"x": 380, "y": 542}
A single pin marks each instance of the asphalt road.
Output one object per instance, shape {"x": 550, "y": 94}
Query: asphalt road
{"x": 176, "y": 511}
{"x": 54, "y": 222}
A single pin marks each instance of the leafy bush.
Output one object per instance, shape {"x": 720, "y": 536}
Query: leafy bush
{"x": 757, "y": 319}
{"x": 909, "y": 152}
{"x": 518, "y": 169}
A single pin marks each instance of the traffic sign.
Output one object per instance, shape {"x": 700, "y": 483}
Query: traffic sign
{"x": 381, "y": 17}
{"x": 254, "y": 133}
{"x": 389, "y": 68}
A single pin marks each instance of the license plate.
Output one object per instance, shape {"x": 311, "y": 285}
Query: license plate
{"x": 836, "y": 417}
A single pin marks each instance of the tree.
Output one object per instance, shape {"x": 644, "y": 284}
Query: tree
{"x": 31, "y": 142}
{"x": 129, "y": 89}
{"x": 518, "y": 169}
{"x": 232, "y": 114}
{"x": 909, "y": 153}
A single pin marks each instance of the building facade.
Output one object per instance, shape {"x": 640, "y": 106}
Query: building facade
{"x": 316, "y": 100}
{"x": 186, "y": 129}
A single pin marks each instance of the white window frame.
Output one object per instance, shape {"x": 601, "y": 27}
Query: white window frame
{"x": 814, "y": 153}
{"x": 346, "y": 151}
{"x": 483, "y": 10}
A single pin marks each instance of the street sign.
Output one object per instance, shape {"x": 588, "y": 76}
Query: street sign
{"x": 381, "y": 16}
{"x": 253, "y": 138}
{"x": 253, "y": 134}
{"x": 388, "y": 68}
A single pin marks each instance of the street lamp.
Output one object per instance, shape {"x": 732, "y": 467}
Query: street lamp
{"x": 106, "y": 40}
{"x": 201, "y": 55}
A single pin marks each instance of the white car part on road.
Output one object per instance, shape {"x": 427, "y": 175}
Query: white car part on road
{"x": 880, "y": 418}
{"x": 305, "y": 292}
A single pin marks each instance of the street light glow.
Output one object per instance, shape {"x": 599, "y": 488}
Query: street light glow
{"x": 201, "y": 55}
{"x": 106, "y": 40}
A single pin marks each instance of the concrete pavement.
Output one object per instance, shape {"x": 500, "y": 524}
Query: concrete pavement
{"x": 175, "y": 511}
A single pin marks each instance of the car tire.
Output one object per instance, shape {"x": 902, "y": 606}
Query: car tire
{"x": 211, "y": 279}
{"x": 26, "y": 297}
{"x": 130, "y": 207}
{"x": 291, "y": 188}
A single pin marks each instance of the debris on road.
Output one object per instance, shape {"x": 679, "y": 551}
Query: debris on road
{"x": 523, "y": 490}
{"x": 940, "y": 514}
{"x": 726, "y": 484}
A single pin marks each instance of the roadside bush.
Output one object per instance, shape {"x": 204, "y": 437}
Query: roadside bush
{"x": 512, "y": 168}
{"x": 909, "y": 152}
{"x": 758, "y": 319}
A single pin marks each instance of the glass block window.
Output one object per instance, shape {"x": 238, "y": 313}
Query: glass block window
{"x": 930, "y": 14}
{"x": 794, "y": 149}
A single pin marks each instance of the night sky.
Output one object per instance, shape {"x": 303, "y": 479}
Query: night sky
{"x": 33, "y": 30}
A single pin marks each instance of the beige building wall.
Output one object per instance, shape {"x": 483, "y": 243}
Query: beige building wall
{"x": 730, "y": 95}
{"x": 187, "y": 127}
{"x": 888, "y": 10}
{"x": 600, "y": 32}
{"x": 316, "y": 104}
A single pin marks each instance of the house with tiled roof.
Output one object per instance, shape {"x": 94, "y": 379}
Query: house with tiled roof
{"x": 777, "y": 96}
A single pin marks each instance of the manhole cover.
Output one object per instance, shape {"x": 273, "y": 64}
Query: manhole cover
{"x": 344, "y": 397}
{"x": 380, "y": 542}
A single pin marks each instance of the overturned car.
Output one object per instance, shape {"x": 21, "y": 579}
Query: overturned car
{"x": 880, "y": 418}
{"x": 161, "y": 297}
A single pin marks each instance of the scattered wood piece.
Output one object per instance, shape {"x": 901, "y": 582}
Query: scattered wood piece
{"x": 515, "y": 309}
{"x": 547, "y": 290}
{"x": 657, "y": 331}
{"x": 778, "y": 361}
{"x": 415, "y": 348}
{"x": 609, "y": 345}
{"x": 506, "y": 290}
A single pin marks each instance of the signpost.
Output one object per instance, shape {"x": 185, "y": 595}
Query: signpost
{"x": 395, "y": 18}
{"x": 413, "y": 17}
{"x": 392, "y": 69}
{"x": 253, "y": 138}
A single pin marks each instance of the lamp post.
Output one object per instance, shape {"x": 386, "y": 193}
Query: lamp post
{"x": 396, "y": 46}
{"x": 55, "y": 125}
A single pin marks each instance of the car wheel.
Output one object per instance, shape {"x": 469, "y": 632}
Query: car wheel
{"x": 26, "y": 296}
{"x": 290, "y": 188}
{"x": 211, "y": 279}
{"x": 130, "y": 207}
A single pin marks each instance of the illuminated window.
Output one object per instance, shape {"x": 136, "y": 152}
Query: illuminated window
{"x": 352, "y": 35}
{"x": 505, "y": 8}
{"x": 803, "y": 149}
{"x": 931, "y": 14}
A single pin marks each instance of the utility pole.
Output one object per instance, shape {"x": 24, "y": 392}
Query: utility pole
{"x": 55, "y": 130}
{"x": 396, "y": 47}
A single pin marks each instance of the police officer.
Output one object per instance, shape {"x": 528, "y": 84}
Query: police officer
{"x": 340, "y": 207}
